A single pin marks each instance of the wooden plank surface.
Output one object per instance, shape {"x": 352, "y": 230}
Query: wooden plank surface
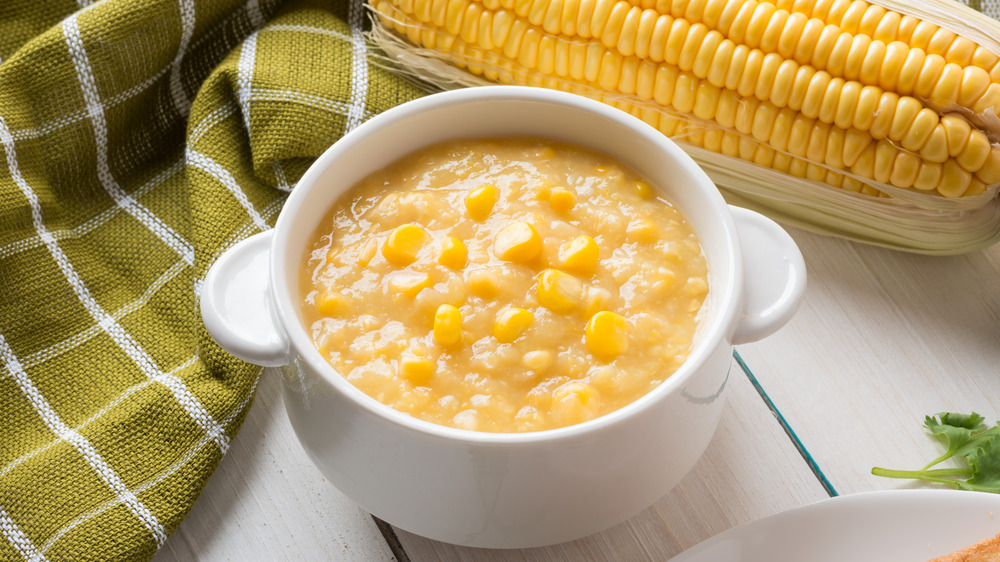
{"x": 882, "y": 339}
{"x": 267, "y": 501}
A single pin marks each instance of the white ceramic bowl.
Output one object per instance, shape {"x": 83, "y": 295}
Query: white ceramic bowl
{"x": 489, "y": 489}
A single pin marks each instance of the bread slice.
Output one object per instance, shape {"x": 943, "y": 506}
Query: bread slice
{"x": 983, "y": 551}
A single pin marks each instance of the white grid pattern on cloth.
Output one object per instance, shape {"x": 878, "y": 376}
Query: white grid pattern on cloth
{"x": 177, "y": 465}
{"x": 124, "y": 340}
{"x": 240, "y": 234}
{"x": 359, "y": 65}
{"x": 107, "y": 323}
{"x": 84, "y": 228}
{"x": 356, "y": 110}
{"x": 214, "y": 169}
{"x": 41, "y": 405}
{"x": 65, "y": 121}
{"x": 279, "y": 174}
{"x": 244, "y": 232}
{"x": 210, "y": 120}
{"x": 96, "y": 461}
{"x": 197, "y": 132}
{"x": 334, "y": 106}
{"x": 13, "y": 533}
{"x": 95, "y": 111}
{"x": 118, "y": 400}
{"x": 86, "y": 334}
{"x": 17, "y": 538}
{"x": 251, "y": 9}
{"x": 177, "y": 94}
{"x": 244, "y": 76}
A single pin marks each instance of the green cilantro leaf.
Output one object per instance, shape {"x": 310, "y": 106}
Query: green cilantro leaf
{"x": 961, "y": 434}
{"x": 970, "y": 421}
{"x": 965, "y": 437}
{"x": 985, "y": 467}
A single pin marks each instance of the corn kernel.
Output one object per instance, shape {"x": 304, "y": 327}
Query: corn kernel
{"x": 517, "y": 242}
{"x": 643, "y": 189}
{"x": 479, "y": 202}
{"x": 448, "y": 325}
{"x": 575, "y": 402}
{"x": 408, "y": 283}
{"x": 453, "y": 253}
{"x": 484, "y": 283}
{"x": 510, "y": 323}
{"x": 404, "y": 242}
{"x": 579, "y": 254}
{"x": 607, "y": 334}
{"x": 537, "y": 360}
{"x": 559, "y": 291}
{"x": 561, "y": 200}
{"x": 329, "y": 304}
{"x": 367, "y": 252}
{"x": 417, "y": 370}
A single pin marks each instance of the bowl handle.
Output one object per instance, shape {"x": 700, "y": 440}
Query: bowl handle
{"x": 774, "y": 276}
{"x": 236, "y": 304}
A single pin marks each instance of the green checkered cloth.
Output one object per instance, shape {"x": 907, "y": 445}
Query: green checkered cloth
{"x": 138, "y": 140}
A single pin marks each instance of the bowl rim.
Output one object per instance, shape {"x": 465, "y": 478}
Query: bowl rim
{"x": 302, "y": 348}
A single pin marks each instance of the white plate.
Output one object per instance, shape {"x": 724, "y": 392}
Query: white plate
{"x": 887, "y": 526}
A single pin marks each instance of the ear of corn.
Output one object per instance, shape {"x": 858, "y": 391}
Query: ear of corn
{"x": 876, "y": 121}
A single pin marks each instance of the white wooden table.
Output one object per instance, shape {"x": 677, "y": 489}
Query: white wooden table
{"x": 882, "y": 339}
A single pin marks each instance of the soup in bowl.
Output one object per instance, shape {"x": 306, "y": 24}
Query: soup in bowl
{"x": 504, "y": 316}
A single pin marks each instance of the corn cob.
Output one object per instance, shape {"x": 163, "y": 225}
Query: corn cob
{"x": 843, "y": 92}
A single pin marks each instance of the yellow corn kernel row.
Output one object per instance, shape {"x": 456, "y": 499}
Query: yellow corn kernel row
{"x": 680, "y": 31}
{"x": 688, "y": 95}
{"x": 784, "y": 81}
{"x": 880, "y": 161}
{"x": 739, "y": 146}
{"x": 695, "y": 47}
{"x": 859, "y": 16}
{"x": 747, "y": 148}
